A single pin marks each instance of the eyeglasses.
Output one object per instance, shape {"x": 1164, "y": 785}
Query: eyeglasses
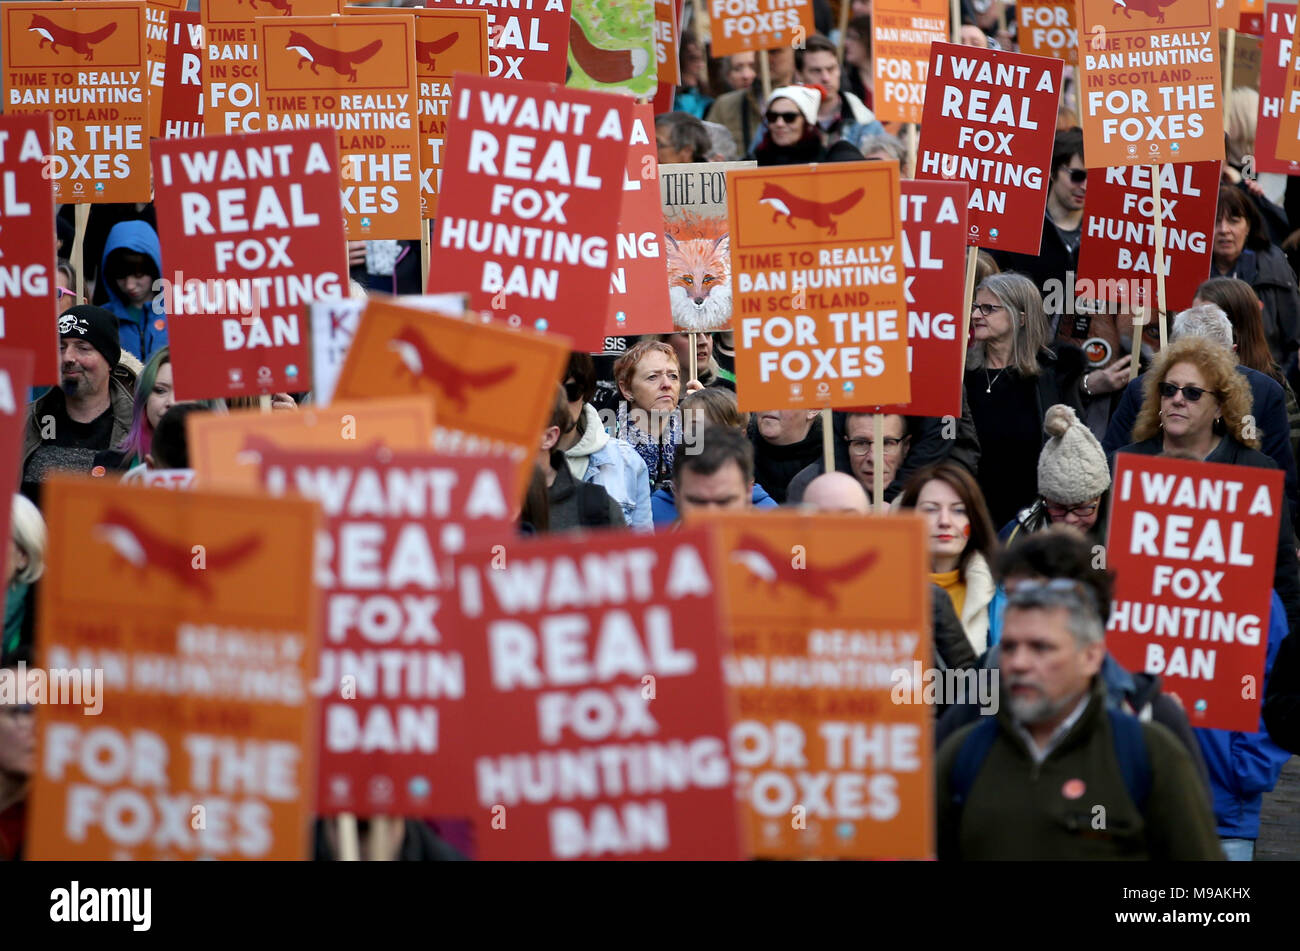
{"x": 789, "y": 118}
{"x": 1058, "y": 512}
{"x": 572, "y": 390}
{"x": 1192, "y": 393}
{"x": 1031, "y": 594}
{"x": 62, "y": 292}
{"x": 861, "y": 447}
{"x": 1078, "y": 175}
{"x": 986, "y": 309}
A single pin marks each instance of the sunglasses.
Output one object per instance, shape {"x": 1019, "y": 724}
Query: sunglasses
{"x": 1192, "y": 393}
{"x": 1078, "y": 175}
{"x": 62, "y": 292}
{"x": 789, "y": 118}
{"x": 572, "y": 391}
{"x": 1031, "y": 594}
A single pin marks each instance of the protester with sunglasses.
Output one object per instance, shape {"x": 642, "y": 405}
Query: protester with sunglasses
{"x": 1012, "y": 377}
{"x": 1073, "y": 482}
{"x": 1198, "y": 404}
{"x": 792, "y": 136}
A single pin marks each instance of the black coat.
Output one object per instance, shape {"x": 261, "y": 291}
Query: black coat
{"x": 1286, "y": 573}
{"x": 776, "y": 466}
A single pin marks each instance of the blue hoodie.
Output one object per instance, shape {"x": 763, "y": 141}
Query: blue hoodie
{"x": 1244, "y": 766}
{"x": 140, "y": 331}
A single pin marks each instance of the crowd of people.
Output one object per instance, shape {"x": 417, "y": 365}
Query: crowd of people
{"x": 1014, "y": 493}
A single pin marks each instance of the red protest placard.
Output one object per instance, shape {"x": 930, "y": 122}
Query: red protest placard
{"x": 251, "y": 236}
{"x": 356, "y": 76}
{"x": 391, "y": 661}
{"x": 525, "y": 223}
{"x": 1117, "y": 260}
{"x": 901, "y": 34}
{"x": 27, "y": 245}
{"x": 197, "y": 614}
{"x": 817, "y": 268}
{"x": 592, "y": 664}
{"x": 990, "y": 120}
{"x": 1279, "y": 26}
{"x": 1252, "y": 16}
{"x": 157, "y": 32}
{"x": 1150, "y": 88}
{"x": 180, "y": 106}
{"x": 527, "y": 40}
{"x": 15, "y": 381}
{"x": 85, "y": 67}
{"x": 667, "y": 40}
{"x": 446, "y": 42}
{"x": 830, "y": 620}
{"x": 493, "y": 388}
{"x": 638, "y": 293}
{"x": 1288, "y": 129}
{"x": 1048, "y": 29}
{"x": 739, "y": 25}
{"x": 232, "y": 101}
{"x": 1193, "y": 547}
{"x": 934, "y": 245}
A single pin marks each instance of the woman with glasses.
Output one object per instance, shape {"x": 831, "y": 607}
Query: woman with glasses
{"x": 1197, "y": 405}
{"x": 962, "y": 542}
{"x": 791, "y": 135}
{"x": 1012, "y": 377}
{"x": 1073, "y": 482}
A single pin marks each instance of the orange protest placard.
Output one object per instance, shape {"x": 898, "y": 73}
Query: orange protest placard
{"x": 224, "y": 448}
{"x": 1048, "y": 29}
{"x": 231, "y": 63}
{"x": 493, "y": 388}
{"x": 183, "y": 629}
{"x": 356, "y": 76}
{"x": 446, "y": 42}
{"x": 817, "y": 272}
{"x": 667, "y": 41}
{"x": 828, "y": 616}
{"x": 1150, "y": 89}
{"x": 739, "y": 25}
{"x": 901, "y": 34}
{"x": 85, "y": 66}
{"x": 1229, "y": 12}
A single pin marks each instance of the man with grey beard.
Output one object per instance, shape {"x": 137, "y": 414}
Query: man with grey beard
{"x": 1058, "y": 774}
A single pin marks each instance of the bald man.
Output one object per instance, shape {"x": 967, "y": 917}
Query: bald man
{"x": 836, "y": 492}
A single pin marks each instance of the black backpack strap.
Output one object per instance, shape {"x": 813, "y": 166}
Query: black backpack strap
{"x": 593, "y": 506}
{"x": 1131, "y": 753}
{"x": 970, "y": 758}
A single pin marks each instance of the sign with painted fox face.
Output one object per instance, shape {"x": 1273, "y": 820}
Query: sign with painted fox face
{"x": 698, "y": 244}
{"x": 200, "y": 610}
{"x": 446, "y": 42}
{"x": 825, "y": 615}
{"x": 355, "y": 75}
{"x": 253, "y": 225}
{"x": 527, "y": 41}
{"x": 817, "y": 264}
{"x": 529, "y": 211}
{"x": 492, "y": 388}
{"x": 594, "y": 724}
{"x": 391, "y": 658}
{"x": 232, "y": 99}
{"x": 1150, "y": 87}
{"x": 226, "y": 448}
{"x": 85, "y": 66}
{"x": 612, "y": 46}
{"x": 27, "y": 245}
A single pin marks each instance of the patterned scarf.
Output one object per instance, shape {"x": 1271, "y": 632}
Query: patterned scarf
{"x": 658, "y": 454}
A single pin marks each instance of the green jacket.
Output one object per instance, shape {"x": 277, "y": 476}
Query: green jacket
{"x": 1019, "y": 810}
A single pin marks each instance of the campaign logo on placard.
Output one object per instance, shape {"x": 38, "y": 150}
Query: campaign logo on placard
{"x": 1146, "y": 9}
{"x": 62, "y": 45}
{"x": 822, "y": 214}
{"x": 769, "y": 567}
{"x": 313, "y": 57}
{"x": 781, "y": 215}
{"x": 426, "y": 54}
{"x": 423, "y": 363}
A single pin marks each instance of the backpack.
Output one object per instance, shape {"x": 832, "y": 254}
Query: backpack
{"x": 1130, "y": 752}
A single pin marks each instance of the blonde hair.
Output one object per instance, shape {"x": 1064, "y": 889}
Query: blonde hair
{"x": 28, "y": 530}
{"x": 1216, "y": 363}
{"x": 1242, "y": 118}
{"x": 717, "y": 406}
{"x": 1024, "y": 305}
{"x": 625, "y": 366}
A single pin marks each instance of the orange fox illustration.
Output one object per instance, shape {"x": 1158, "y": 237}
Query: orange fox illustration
{"x": 699, "y": 282}
{"x": 426, "y": 53}
{"x": 281, "y": 5}
{"x": 783, "y": 202}
{"x": 50, "y": 32}
{"x": 770, "y": 567}
{"x": 1152, "y": 8}
{"x": 144, "y": 550}
{"x": 423, "y": 362}
{"x": 341, "y": 61}
{"x": 602, "y": 65}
